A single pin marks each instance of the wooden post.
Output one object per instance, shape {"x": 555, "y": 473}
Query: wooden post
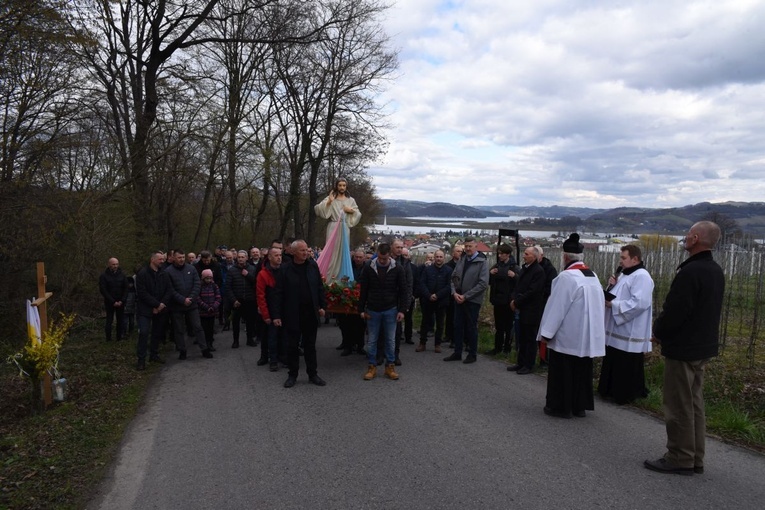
{"x": 42, "y": 307}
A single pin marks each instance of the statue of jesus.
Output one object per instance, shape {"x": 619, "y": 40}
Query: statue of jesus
{"x": 343, "y": 213}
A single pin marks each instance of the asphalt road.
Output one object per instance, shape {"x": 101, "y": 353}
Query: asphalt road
{"x": 225, "y": 434}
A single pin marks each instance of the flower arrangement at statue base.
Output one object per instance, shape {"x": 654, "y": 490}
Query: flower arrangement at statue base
{"x": 342, "y": 296}
{"x": 40, "y": 356}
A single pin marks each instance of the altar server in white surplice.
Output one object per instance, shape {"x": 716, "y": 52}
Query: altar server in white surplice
{"x": 628, "y": 329}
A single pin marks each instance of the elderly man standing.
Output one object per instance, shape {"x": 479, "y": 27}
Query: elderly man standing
{"x": 113, "y": 287}
{"x": 470, "y": 279}
{"x": 572, "y": 326}
{"x": 153, "y": 294}
{"x": 435, "y": 292}
{"x": 687, "y": 330}
{"x": 528, "y": 301}
{"x": 300, "y": 301}
{"x": 628, "y": 329}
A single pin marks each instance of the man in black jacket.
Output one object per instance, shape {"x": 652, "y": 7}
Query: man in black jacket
{"x": 687, "y": 330}
{"x": 113, "y": 287}
{"x": 384, "y": 299}
{"x": 434, "y": 290}
{"x": 153, "y": 293}
{"x": 185, "y": 285}
{"x": 528, "y": 300}
{"x": 502, "y": 278}
{"x": 300, "y": 301}
{"x": 240, "y": 292}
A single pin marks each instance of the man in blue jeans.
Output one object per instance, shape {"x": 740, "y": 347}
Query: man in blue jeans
{"x": 384, "y": 299}
{"x": 470, "y": 279}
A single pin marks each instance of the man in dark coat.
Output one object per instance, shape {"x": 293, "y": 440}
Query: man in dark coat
{"x": 185, "y": 285}
{"x": 153, "y": 294}
{"x": 351, "y": 325}
{"x": 300, "y": 301}
{"x": 113, "y": 287}
{"x": 687, "y": 330}
{"x": 502, "y": 278}
{"x": 240, "y": 292}
{"x": 528, "y": 300}
{"x": 434, "y": 290}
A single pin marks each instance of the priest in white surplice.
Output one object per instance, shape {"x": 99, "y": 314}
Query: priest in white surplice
{"x": 572, "y": 326}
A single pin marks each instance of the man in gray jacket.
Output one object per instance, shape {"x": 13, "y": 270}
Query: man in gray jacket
{"x": 470, "y": 279}
{"x": 185, "y": 284}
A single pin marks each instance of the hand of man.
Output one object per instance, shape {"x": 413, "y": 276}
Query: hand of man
{"x": 278, "y": 323}
{"x": 512, "y": 305}
{"x": 187, "y": 301}
{"x": 399, "y": 317}
{"x": 433, "y": 297}
{"x": 322, "y": 313}
{"x": 236, "y": 304}
{"x": 511, "y": 274}
{"x": 494, "y": 270}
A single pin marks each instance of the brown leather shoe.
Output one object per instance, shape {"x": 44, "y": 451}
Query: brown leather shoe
{"x": 420, "y": 348}
{"x": 371, "y": 373}
{"x": 390, "y": 372}
{"x": 437, "y": 349}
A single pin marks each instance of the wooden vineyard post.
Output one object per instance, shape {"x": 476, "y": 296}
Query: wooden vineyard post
{"x": 42, "y": 307}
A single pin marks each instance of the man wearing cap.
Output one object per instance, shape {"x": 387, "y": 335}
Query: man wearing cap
{"x": 573, "y": 327}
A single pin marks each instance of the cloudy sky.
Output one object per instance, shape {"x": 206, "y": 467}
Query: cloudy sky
{"x": 588, "y": 103}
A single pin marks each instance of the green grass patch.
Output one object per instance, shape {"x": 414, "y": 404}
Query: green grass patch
{"x": 56, "y": 459}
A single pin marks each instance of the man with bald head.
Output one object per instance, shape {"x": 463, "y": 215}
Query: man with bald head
{"x": 113, "y": 287}
{"x": 687, "y": 331}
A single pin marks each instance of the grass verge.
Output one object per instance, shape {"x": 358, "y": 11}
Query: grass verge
{"x": 55, "y": 459}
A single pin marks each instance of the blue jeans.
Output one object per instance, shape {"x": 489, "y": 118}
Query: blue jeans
{"x": 388, "y": 321}
{"x": 466, "y": 327}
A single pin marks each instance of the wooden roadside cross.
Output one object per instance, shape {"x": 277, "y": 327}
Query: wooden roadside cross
{"x": 42, "y": 307}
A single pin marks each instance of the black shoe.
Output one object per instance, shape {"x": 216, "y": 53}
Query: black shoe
{"x": 318, "y": 381}
{"x": 469, "y": 359}
{"x": 699, "y": 470}
{"x": 206, "y": 353}
{"x": 362, "y": 352}
{"x": 235, "y": 345}
{"x": 156, "y": 359}
{"x": 513, "y": 368}
{"x": 346, "y": 352}
{"x": 397, "y": 361}
{"x": 273, "y": 367}
{"x": 141, "y": 365}
{"x": 494, "y": 352}
{"x": 262, "y": 361}
{"x": 453, "y": 357}
{"x": 340, "y": 347}
{"x": 226, "y": 327}
{"x": 410, "y": 342}
{"x": 580, "y": 414}
{"x": 523, "y": 371}
{"x": 558, "y": 414}
{"x": 182, "y": 355}
{"x": 290, "y": 382}
{"x": 252, "y": 343}
{"x": 662, "y": 465}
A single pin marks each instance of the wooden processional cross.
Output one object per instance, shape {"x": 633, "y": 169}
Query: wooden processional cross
{"x": 42, "y": 308}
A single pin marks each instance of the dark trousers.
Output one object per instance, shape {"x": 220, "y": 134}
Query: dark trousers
{"x": 188, "y": 322}
{"x": 432, "y": 314}
{"x": 352, "y": 327}
{"x": 449, "y": 325}
{"x": 466, "y": 327}
{"x": 307, "y": 333}
{"x": 272, "y": 345}
{"x": 408, "y": 322}
{"x": 111, "y": 311}
{"x": 247, "y": 310}
{"x": 503, "y": 325}
{"x": 151, "y": 329}
{"x": 208, "y": 326}
{"x": 527, "y": 345}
